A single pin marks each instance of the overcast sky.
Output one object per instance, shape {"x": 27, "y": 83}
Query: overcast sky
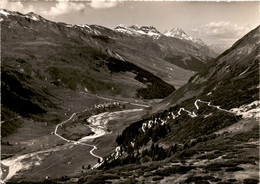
{"x": 213, "y": 22}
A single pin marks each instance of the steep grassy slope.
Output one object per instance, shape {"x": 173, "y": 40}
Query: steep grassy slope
{"x": 203, "y": 142}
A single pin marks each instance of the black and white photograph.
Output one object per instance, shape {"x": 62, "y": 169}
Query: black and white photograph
{"x": 129, "y": 92}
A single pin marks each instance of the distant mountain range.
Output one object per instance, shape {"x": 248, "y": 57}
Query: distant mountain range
{"x": 153, "y": 32}
{"x": 177, "y": 47}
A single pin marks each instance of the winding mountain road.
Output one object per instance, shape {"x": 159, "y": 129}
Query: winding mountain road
{"x": 78, "y": 142}
{"x": 193, "y": 114}
{"x": 208, "y": 103}
{"x": 94, "y": 118}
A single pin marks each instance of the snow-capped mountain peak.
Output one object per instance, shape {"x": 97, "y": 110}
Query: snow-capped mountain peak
{"x": 177, "y": 33}
{"x": 180, "y": 34}
{"x": 138, "y": 31}
{"x": 30, "y": 15}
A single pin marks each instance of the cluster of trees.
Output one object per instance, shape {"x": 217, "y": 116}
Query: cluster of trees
{"x": 19, "y": 97}
{"x": 184, "y": 130}
{"x": 156, "y": 153}
{"x": 133, "y": 133}
{"x": 152, "y": 153}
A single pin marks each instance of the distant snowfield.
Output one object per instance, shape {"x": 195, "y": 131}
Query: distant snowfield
{"x": 251, "y": 110}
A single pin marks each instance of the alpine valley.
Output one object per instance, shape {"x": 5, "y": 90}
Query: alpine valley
{"x": 89, "y": 104}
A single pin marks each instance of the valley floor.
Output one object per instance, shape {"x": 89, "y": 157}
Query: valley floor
{"x": 39, "y": 149}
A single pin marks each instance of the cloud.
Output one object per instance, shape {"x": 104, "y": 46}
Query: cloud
{"x": 16, "y": 6}
{"x": 63, "y": 7}
{"x": 222, "y": 29}
{"x": 101, "y": 4}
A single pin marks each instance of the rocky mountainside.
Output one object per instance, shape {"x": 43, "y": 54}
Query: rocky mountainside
{"x": 180, "y": 34}
{"x": 205, "y": 132}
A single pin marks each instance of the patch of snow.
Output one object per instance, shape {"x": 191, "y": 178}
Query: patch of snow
{"x": 244, "y": 71}
{"x": 138, "y": 31}
{"x": 209, "y": 93}
{"x": 124, "y": 30}
{"x": 32, "y": 17}
{"x": 177, "y": 33}
{"x": 69, "y": 25}
{"x": 152, "y": 34}
{"x": 84, "y": 26}
{"x": 205, "y": 116}
{"x": 120, "y": 57}
{"x": 96, "y": 32}
{"x": 4, "y": 12}
{"x": 141, "y": 32}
